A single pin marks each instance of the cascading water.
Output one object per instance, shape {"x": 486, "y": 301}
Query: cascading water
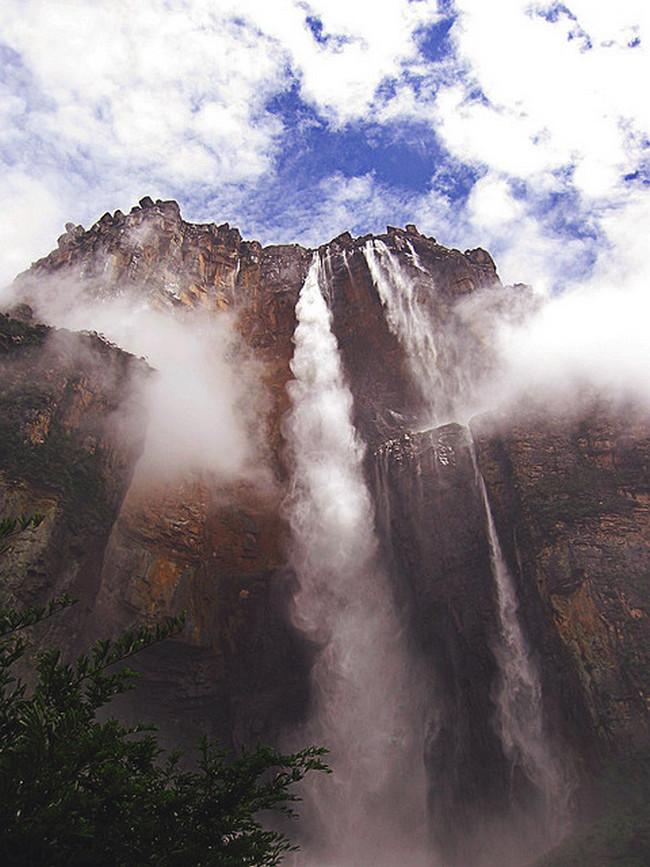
{"x": 407, "y": 321}
{"x": 519, "y": 694}
{"x": 442, "y": 351}
{"x": 366, "y": 706}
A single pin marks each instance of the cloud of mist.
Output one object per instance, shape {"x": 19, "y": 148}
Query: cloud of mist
{"x": 588, "y": 338}
{"x": 557, "y": 352}
{"x": 204, "y": 399}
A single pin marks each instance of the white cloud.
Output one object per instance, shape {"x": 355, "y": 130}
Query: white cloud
{"x": 32, "y": 220}
{"x": 172, "y": 98}
{"x": 588, "y": 337}
{"x": 341, "y": 76}
{"x": 132, "y": 87}
{"x": 491, "y": 203}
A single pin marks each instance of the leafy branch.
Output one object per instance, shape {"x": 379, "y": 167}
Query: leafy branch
{"x": 76, "y": 791}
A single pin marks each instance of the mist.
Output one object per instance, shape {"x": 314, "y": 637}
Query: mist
{"x": 204, "y": 399}
{"x": 591, "y": 337}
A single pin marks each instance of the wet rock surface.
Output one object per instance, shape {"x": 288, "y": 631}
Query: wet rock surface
{"x": 71, "y": 431}
{"x": 433, "y": 527}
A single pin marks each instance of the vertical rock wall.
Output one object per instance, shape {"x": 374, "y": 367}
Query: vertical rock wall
{"x": 433, "y": 525}
{"x": 570, "y": 498}
{"x": 71, "y": 432}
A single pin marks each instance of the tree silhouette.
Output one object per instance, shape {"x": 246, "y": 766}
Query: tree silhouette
{"x": 78, "y": 791}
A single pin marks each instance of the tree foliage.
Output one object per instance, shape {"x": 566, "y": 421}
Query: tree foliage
{"x": 78, "y": 791}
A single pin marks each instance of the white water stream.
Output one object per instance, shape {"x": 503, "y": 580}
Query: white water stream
{"x": 407, "y": 320}
{"x": 519, "y": 716}
{"x": 519, "y": 713}
{"x": 366, "y": 702}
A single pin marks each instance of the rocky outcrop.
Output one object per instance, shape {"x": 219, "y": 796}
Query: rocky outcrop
{"x": 150, "y": 251}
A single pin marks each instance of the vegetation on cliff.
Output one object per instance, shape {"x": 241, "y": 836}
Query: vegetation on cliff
{"x": 77, "y": 788}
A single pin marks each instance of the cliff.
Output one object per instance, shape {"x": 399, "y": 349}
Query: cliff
{"x": 71, "y": 432}
{"x": 569, "y": 496}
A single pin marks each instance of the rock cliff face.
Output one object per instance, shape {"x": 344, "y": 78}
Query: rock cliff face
{"x": 569, "y": 497}
{"x": 213, "y": 549}
{"x": 434, "y": 528}
{"x": 70, "y": 435}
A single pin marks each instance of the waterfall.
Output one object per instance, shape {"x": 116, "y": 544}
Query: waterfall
{"x": 407, "y": 321}
{"x": 442, "y": 352}
{"x": 416, "y": 259}
{"x": 518, "y": 694}
{"x": 366, "y": 705}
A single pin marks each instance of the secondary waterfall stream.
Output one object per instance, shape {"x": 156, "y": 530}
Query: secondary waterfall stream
{"x": 518, "y": 694}
{"x": 366, "y": 705}
{"x": 406, "y": 320}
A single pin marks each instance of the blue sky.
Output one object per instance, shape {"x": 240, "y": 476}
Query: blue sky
{"x": 519, "y": 126}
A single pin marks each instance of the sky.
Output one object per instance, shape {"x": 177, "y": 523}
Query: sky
{"x": 522, "y": 127}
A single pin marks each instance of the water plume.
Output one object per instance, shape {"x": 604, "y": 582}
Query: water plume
{"x": 366, "y": 707}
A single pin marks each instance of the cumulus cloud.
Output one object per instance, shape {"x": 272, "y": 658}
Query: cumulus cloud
{"x": 176, "y": 99}
{"x": 549, "y": 96}
{"x": 355, "y": 50}
{"x": 587, "y": 341}
{"x": 139, "y": 87}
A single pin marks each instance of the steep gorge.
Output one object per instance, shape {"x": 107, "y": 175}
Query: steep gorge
{"x": 569, "y": 496}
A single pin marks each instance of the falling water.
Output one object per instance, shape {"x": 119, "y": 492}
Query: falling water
{"x": 519, "y": 717}
{"x": 442, "y": 351}
{"x": 519, "y": 694}
{"x": 365, "y": 702}
{"x": 407, "y": 320}
{"x": 415, "y": 258}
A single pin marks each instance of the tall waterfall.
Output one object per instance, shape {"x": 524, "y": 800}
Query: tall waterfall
{"x": 518, "y": 697}
{"x": 519, "y": 694}
{"x": 441, "y": 350}
{"x": 365, "y": 705}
